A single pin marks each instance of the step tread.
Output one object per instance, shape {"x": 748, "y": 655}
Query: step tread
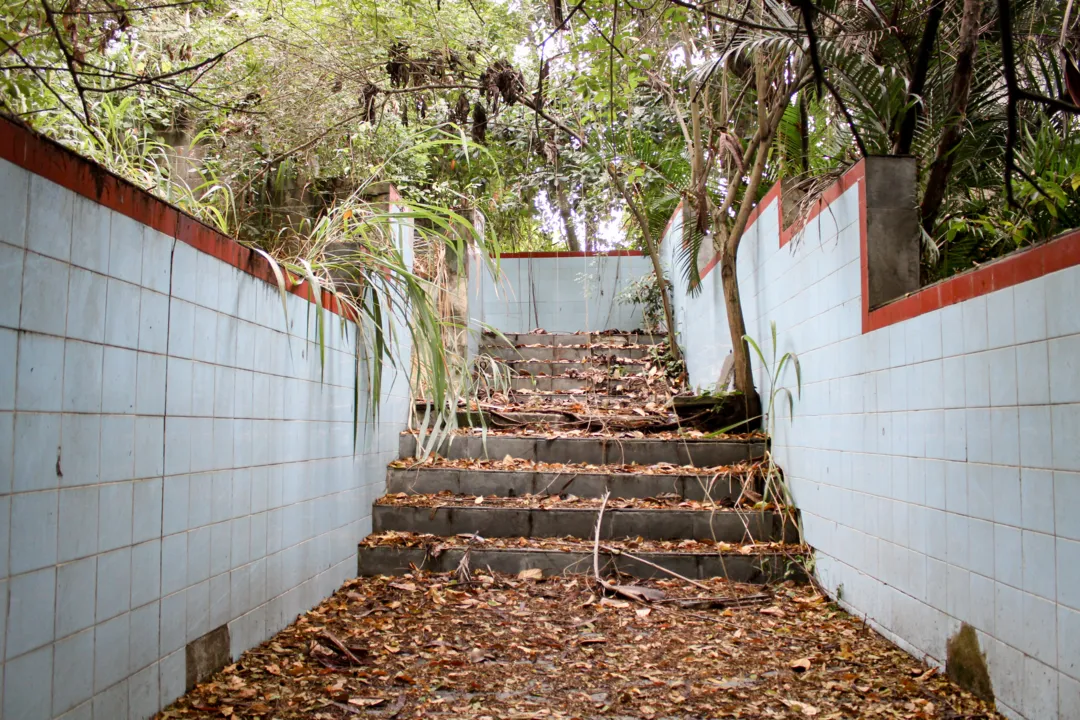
{"x": 398, "y": 553}
{"x": 667, "y": 502}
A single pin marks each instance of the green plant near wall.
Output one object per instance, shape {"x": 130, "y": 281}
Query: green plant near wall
{"x": 776, "y": 490}
{"x": 645, "y": 292}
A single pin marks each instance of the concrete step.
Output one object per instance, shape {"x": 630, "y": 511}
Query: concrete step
{"x": 755, "y": 568}
{"x": 577, "y": 354}
{"x": 561, "y": 383}
{"x": 538, "y": 367}
{"x": 502, "y": 483}
{"x": 514, "y": 339}
{"x": 730, "y": 526}
{"x": 595, "y": 451}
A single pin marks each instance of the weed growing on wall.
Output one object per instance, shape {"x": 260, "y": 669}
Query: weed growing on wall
{"x": 645, "y": 291}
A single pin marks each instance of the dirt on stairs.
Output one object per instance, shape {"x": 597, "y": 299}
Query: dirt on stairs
{"x": 585, "y": 415}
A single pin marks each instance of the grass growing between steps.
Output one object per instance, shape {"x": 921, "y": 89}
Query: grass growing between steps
{"x": 498, "y": 646}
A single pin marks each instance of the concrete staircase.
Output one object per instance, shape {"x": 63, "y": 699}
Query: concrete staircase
{"x": 527, "y": 498}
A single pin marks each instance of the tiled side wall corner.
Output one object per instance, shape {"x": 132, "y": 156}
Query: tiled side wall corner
{"x": 935, "y": 459}
{"x": 560, "y": 293}
{"x": 172, "y": 458}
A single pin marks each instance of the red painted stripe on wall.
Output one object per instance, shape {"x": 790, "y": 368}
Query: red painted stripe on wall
{"x": 54, "y": 162}
{"x": 570, "y": 254}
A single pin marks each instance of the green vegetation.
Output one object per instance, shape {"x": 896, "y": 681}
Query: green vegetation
{"x": 578, "y": 125}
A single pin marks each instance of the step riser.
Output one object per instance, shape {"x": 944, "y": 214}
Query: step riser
{"x": 589, "y": 485}
{"x": 740, "y": 568}
{"x": 576, "y": 354}
{"x": 606, "y": 386}
{"x": 521, "y": 522}
{"x": 537, "y": 368}
{"x": 595, "y": 451}
{"x": 569, "y": 339}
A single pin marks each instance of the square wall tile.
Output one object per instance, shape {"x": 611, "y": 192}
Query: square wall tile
{"x": 1065, "y": 369}
{"x": 975, "y": 330}
{"x": 28, "y": 686}
{"x": 37, "y": 451}
{"x": 175, "y": 505}
{"x": 83, "y": 369}
{"x": 145, "y": 628}
{"x": 14, "y": 203}
{"x": 126, "y": 249}
{"x": 1068, "y": 580}
{"x": 204, "y": 348}
{"x": 73, "y": 671}
{"x": 78, "y": 523}
{"x": 178, "y": 387}
{"x": 149, "y": 447}
{"x": 177, "y": 445}
{"x": 174, "y": 569}
{"x": 1033, "y": 373}
{"x": 1066, "y": 501}
{"x": 114, "y": 520}
{"x": 146, "y": 512}
{"x": 118, "y": 390}
{"x": 143, "y": 693}
{"x": 1000, "y": 313}
{"x": 111, "y": 652}
{"x": 181, "y": 328}
{"x": 117, "y": 447}
{"x": 76, "y": 591}
{"x": 86, "y": 305}
{"x": 90, "y": 235}
{"x": 33, "y": 532}
{"x": 113, "y": 584}
{"x": 1003, "y": 383}
{"x": 1035, "y": 440}
{"x": 157, "y": 261}
{"x": 48, "y": 227}
{"x": 173, "y": 624}
{"x": 80, "y": 455}
{"x": 44, "y": 295}
{"x": 1030, "y": 310}
{"x": 39, "y": 382}
{"x": 122, "y": 314}
{"x": 1037, "y": 500}
{"x": 150, "y": 385}
{"x": 11, "y": 266}
{"x": 1040, "y": 564}
{"x": 1062, "y": 291}
{"x": 153, "y": 322}
{"x": 7, "y": 454}
{"x": 31, "y": 607}
{"x": 113, "y": 701}
{"x": 1065, "y": 427}
{"x": 145, "y": 573}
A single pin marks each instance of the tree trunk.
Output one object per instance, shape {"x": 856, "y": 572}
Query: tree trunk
{"x": 567, "y": 218}
{"x": 918, "y": 79}
{"x": 643, "y": 223}
{"x": 744, "y": 375}
{"x": 941, "y": 168}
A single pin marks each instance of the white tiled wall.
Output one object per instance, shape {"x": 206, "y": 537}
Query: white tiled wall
{"x": 172, "y": 458}
{"x": 566, "y": 294}
{"x": 936, "y": 461}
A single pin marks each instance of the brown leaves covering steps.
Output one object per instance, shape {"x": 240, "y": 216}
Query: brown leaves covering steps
{"x": 435, "y": 544}
{"x": 511, "y": 648}
{"x": 520, "y": 465}
{"x": 538, "y": 430}
{"x": 667, "y": 501}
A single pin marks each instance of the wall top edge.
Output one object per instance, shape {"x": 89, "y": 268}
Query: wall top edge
{"x": 1031, "y": 263}
{"x": 52, "y": 161}
{"x": 571, "y": 254}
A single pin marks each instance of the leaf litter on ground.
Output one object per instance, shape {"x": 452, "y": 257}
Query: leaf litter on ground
{"x": 508, "y": 647}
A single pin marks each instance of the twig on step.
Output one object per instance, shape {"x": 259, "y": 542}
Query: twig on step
{"x": 617, "y": 551}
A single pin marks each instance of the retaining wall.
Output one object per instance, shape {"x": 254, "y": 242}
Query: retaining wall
{"x": 935, "y": 451}
{"x": 174, "y": 460}
{"x": 559, "y": 292}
